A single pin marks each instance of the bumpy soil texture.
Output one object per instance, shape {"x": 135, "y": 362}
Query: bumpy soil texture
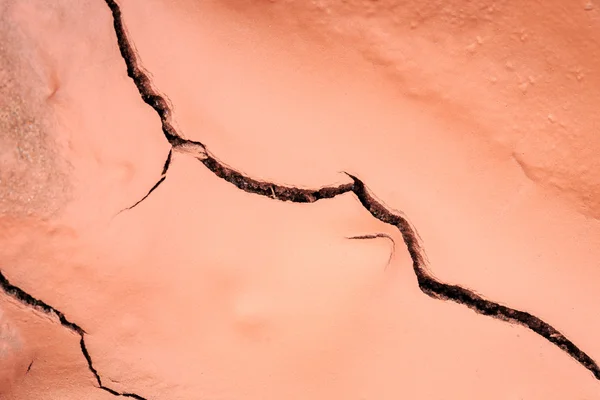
{"x": 299, "y": 200}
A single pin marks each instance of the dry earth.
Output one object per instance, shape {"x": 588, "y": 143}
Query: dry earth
{"x": 230, "y": 199}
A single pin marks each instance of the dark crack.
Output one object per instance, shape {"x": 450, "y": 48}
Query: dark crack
{"x": 39, "y": 305}
{"x": 377, "y": 236}
{"x": 149, "y": 94}
{"x": 274, "y": 191}
{"x": 25, "y": 298}
{"x": 157, "y": 184}
{"x": 427, "y": 283}
{"x": 167, "y": 162}
{"x": 162, "y": 178}
{"x": 443, "y": 291}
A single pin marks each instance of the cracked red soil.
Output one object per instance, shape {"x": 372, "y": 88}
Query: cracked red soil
{"x": 244, "y": 277}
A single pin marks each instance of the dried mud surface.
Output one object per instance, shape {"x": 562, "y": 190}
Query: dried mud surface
{"x": 173, "y": 274}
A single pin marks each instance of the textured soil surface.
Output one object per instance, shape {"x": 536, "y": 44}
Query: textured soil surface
{"x": 215, "y": 200}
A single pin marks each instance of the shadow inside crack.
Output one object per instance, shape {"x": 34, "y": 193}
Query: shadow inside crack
{"x": 427, "y": 283}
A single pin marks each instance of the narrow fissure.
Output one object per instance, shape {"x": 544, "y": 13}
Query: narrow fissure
{"x": 157, "y": 184}
{"x": 427, "y": 283}
{"x": 25, "y": 298}
{"x": 162, "y": 178}
{"x": 443, "y": 291}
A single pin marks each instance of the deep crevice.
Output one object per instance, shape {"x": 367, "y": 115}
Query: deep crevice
{"x": 25, "y": 298}
{"x": 427, "y": 283}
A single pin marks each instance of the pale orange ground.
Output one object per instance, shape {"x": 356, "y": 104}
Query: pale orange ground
{"x": 477, "y": 119}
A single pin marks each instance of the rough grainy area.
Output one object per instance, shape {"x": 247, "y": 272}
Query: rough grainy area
{"x": 31, "y": 183}
{"x": 32, "y": 180}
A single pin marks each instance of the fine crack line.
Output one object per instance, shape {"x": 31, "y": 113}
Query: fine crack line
{"x": 162, "y": 178}
{"x": 427, "y": 283}
{"x": 378, "y": 236}
{"x": 25, "y": 298}
{"x": 167, "y": 162}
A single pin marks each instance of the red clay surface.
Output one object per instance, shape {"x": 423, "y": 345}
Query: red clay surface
{"x": 476, "y": 120}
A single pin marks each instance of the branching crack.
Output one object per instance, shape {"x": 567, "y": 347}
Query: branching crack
{"x": 427, "y": 283}
{"x": 25, "y": 298}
